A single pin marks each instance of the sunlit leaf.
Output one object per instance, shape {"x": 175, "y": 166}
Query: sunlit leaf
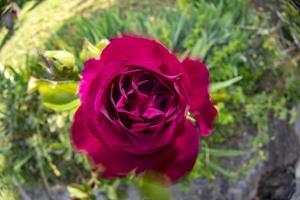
{"x": 64, "y": 107}
{"x": 58, "y": 96}
{"x": 221, "y": 95}
{"x": 55, "y": 169}
{"x": 77, "y": 192}
{"x": 182, "y": 4}
{"x": 152, "y": 189}
{"x": 112, "y": 193}
{"x": 224, "y": 152}
{"x": 102, "y": 44}
{"x": 88, "y": 51}
{"x": 180, "y": 23}
{"x": 64, "y": 57}
{"x": 56, "y": 147}
{"x": 224, "y": 84}
{"x": 92, "y": 51}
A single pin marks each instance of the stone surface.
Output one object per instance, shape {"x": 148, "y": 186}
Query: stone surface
{"x": 55, "y": 193}
{"x": 296, "y": 196}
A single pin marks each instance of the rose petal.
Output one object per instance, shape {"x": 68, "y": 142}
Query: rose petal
{"x": 207, "y": 118}
{"x": 142, "y": 52}
{"x": 82, "y": 139}
{"x": 112, "y": 162}
{"x": 89, "y": 72}
{"x": 152, "y": 112}
{"x": 201, "y": 106}
{"x": 138, "y": 127}
{"x": 186, "y": 148}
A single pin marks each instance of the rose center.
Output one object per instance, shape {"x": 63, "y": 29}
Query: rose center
{"x": 142, "y": 102}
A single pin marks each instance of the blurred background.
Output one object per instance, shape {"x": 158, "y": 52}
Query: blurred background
{"x": 252, "y": 49}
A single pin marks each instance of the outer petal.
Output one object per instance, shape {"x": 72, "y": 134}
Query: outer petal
{"x": 186, "y": 148}
{"x": 91, "y": 69}
{"x": 82, "y": 139}
{"x": 206, "y": 118}
{"x": 111, "y": 162}
{"x": 202, "y": 107}
{"x": 142, "y": 52}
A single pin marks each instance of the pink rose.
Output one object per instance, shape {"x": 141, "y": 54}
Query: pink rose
{"x": 134, "y": 102}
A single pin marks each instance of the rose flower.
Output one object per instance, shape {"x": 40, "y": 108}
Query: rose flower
{"x": 135, "y": 100}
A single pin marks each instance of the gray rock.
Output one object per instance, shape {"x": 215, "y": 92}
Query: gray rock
{"x": 296, "y": 196}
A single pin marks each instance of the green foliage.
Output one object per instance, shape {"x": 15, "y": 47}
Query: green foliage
{"x": 92, "y": 51}
{"x": 34, "y": 142}
{"x": 253, "y": 79}
{"x": 58, "y": 96}
{"x": 7, "y": 190}
{"x": 37, "y": 23}
{"x": 221, "y": 85}
{"x": 208, "y": 164}
{"x": 4, "y": 4}
{"x": 152, "y": 189}
{"x": 80, "y": 192}
{"x": 64, "y": 58}
{"x": 292, "y": 25}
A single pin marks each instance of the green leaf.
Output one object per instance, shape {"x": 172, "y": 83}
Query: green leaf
{"x": 63, "y": 107}
{"x": 112, "y": 193}
{"x": 153, "y": 190}
{"x": 102, "y": 44}
{"x": 92, "y": 51}
{"x": 180, "y": 25}
{"x": 58, "y": 96}
{"x": 56, "y": 147}
{"x": 224, "y": 84}
{"x": 202, "y": 46}
{"x": 32, "y": 84}
{"x": 182, "y": 4}
{"x": 88, "y": 51}
{"x": 221, "y": 170}
{"x": 58, "y": 92}
{"x": 197, "y": 49}
{"x": 22, "y": 161}
{"x": 2, "y": 161}
{"x": 63, "y": 57}
{"x": 220, "y": 96}
{"x": 77, "y": 192}
{"x": 55, "y": 170}
{"x": 224, "y": 152}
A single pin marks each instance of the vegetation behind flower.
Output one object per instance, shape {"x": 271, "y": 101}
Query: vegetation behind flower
{"x": 254, "y": 74}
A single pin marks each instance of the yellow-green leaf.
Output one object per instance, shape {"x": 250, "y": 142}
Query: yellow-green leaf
{"x": 64, "y": 57}
{"x": 77, "y": 192}
{"x": 152, "y": 189}
{"x": 102, "y": 44}
{"x": 58, "y": 96}
{"x": 92, "y": 51}
{"x": 224, "y": 84}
